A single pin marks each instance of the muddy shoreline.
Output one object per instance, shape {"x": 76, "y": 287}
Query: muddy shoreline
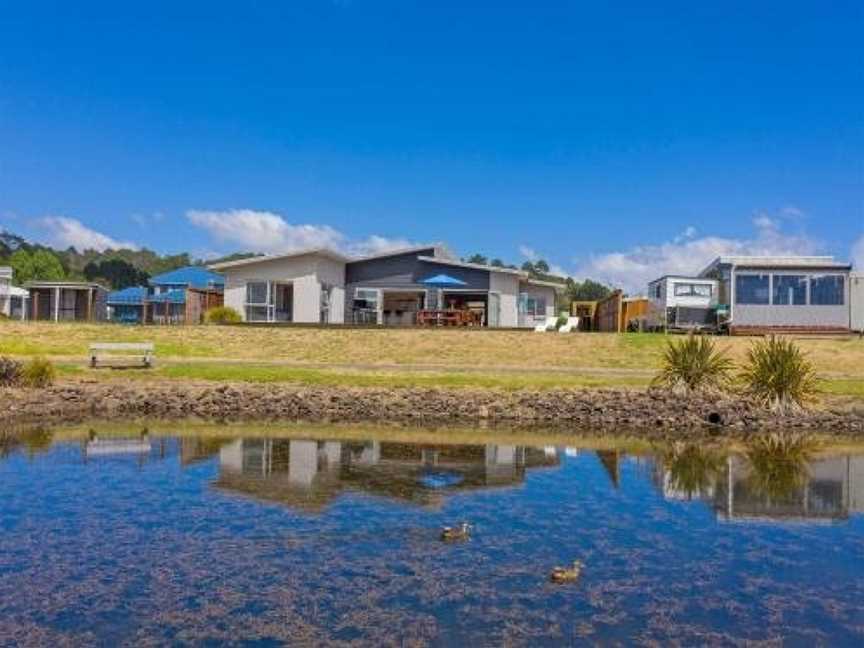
{"x": 648, "y": 414}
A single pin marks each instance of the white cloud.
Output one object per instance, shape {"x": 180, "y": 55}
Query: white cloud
{"x": 268, "y": 232}
{"x": 858, "y": 254}
{"x": 378, "y": 245}
{"x": 261, "y": 231}
{"x": 62, "y": 232}
{"x": 148, "y": 220}
{"x": 687, "y": 254}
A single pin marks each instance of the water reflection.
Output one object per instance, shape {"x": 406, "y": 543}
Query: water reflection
{"x": 768, "y": 481}
{"x": 310, "y": 474}
{"x": 761, "y": 486}
{"x": 153, "y": 539}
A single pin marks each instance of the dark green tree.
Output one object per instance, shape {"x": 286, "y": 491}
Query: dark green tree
{"x": 119, "y": 273}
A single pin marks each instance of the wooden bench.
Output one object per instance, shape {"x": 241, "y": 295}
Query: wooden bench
{"x": 122, "y": 354}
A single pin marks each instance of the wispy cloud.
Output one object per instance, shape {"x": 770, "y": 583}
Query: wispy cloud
{"x": 269, "y": 232}
{"x": 62, "y": 232}
{"x": 688, "y": 253}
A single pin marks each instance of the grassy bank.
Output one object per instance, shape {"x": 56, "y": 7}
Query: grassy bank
{"x": 401, "y": 357}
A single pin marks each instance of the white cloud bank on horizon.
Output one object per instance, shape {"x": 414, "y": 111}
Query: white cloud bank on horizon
{"x": 689, "y": 253}
{"x": 62, "y": 232}
{"x": 268, "y": 232}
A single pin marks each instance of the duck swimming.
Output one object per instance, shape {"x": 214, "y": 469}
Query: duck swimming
{"x": 452, "y": 534}
{"x": 567, "y": 574}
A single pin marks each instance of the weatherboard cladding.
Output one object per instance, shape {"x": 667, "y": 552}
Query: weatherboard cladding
{"x": 407, "y": 272}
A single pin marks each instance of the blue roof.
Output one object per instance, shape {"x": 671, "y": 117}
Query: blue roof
{"x": 133, "y": 296}
{"x": 443, "y": 280}
{"x": 191, "y": 276}
{"x": 169, "y": 297}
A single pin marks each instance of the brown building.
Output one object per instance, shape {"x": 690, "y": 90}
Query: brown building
{"x": 67, "y": 301}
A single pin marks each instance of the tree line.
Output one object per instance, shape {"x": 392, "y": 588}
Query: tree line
{"x": 587, "y": 290}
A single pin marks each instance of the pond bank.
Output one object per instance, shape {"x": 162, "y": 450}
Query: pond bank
{"x": 649, "y": 414}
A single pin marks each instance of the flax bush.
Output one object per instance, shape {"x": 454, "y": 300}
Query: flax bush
{"x": 779, "y": 375}
{"x": 694, "y": 364}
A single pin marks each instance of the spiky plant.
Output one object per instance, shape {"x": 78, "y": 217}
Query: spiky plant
{"x": 779, "y": 463}
{"x": 779, "y": 375}
{"x": 694, "y": 364}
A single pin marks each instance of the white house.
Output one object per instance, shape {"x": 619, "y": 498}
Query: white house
{"x": 683, "y": 302}
{"x": 13, "y": 300}
{"x": 765, "y": 293}
{"x": 398, "y": 288}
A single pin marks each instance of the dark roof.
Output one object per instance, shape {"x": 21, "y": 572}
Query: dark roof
{"x": 191, "y": 276}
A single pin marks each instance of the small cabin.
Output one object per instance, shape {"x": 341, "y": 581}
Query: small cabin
{"x": 67, "y": 301}
{"x": 683, "y": 302}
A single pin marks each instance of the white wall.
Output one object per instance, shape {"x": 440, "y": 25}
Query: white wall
{"x": 508, "y": 287}
{"x": 856, "y": 300}
{"x": 305, "y": 272}
{"x": 670, "y": 300}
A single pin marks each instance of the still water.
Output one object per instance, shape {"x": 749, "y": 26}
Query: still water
{"x": 273, "y": 541}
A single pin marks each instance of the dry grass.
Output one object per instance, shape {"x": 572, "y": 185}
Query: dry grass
{"x": 368, "y": 347}
{"x": 409, "y": 357}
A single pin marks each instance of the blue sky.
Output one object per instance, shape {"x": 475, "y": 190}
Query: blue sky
{"x": 613, "y": 139}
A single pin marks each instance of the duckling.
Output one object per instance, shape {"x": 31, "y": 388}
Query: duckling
{"x": 567, "y": 574}
{"x": 452, "y": 534}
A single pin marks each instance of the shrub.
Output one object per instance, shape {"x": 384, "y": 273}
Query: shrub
{"x": 222, "y": 315}
{"x": 778, "y": 375}
{"x": 694, "y": 364}
{"x": 10, "y": 372}
{"x": 39, "y": 373}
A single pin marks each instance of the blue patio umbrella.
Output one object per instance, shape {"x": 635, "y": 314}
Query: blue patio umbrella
{"x": 443, "y": 281}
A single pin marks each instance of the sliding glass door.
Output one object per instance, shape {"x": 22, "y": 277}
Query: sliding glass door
{"x": 269, "y": 301}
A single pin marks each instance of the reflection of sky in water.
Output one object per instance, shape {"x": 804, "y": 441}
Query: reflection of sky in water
{"x": 311, "y": 542}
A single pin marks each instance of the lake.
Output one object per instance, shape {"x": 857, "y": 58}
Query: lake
{"x": 149, "y": 539}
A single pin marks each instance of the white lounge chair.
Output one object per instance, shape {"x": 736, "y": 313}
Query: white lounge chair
{"x": 542, "y": 328}
{"x": 571, "y": 325}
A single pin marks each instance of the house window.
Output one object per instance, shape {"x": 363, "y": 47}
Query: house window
{"x": 827, "y": 290}
{"x": 532, "y": 306}
{"x": 658, "y": 291}
{"x": 692, "y": 290}
{"x": 789, "y": 290}
{"x": 752, "y": 289}
{"x": 366, "y": 303}
{"x": 257, "y": 301}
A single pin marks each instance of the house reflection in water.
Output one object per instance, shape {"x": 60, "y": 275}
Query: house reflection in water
{"x": 828, "y": 489}
{"x": 308, "y": 475}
